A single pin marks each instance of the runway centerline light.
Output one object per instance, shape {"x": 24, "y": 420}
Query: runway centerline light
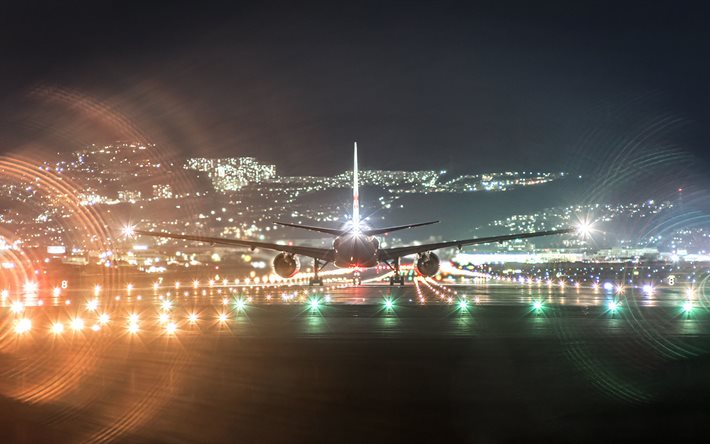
{"x": 192, "y": 318}
{"x": 240, "y": 304}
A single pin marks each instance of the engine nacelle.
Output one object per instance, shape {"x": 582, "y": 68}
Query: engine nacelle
{"x": 428, "y": 264}
{"x": 286, "y": 265}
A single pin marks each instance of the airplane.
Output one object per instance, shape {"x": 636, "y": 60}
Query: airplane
{"x": 355, "y": 245}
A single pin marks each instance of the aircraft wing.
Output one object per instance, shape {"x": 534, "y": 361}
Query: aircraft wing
{"x": 392, "y": 253}
{"x": 325, "y": 254}
{"x": 376, "y": 231}
{"x": 331, "y": 231}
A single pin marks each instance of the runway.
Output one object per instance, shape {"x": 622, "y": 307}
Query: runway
{"x": 515, "y": 362}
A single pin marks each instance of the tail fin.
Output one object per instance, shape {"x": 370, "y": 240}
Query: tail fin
{"x": 356, "y": 193}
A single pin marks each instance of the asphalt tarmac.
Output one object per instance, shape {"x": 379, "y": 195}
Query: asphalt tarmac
{"x": 511, "y": 363}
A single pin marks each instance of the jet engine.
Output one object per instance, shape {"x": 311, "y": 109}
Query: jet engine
{"x": 428, "y": 264}
{"x": 286, "y": 265}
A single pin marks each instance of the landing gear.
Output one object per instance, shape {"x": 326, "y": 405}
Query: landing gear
{"x": 398, "y": 278}
{"x": 316, "y": 280}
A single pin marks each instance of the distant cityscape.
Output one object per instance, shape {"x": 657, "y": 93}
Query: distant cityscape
{"x": 72, "y": 205}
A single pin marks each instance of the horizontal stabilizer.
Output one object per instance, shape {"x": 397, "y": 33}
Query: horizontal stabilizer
{"x": 376, "y": 231}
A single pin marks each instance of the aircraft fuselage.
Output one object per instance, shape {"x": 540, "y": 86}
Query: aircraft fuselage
{"x": 355, "y": 250}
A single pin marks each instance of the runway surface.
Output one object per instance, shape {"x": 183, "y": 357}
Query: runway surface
{"x": 494, "y": 363}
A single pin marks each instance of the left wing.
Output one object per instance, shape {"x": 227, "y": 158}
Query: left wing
{"x": 392, "y": 253}
{"x": 325, "y": 254}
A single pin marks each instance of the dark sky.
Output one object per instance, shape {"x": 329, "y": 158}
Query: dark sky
{"x": 462, "y": 86}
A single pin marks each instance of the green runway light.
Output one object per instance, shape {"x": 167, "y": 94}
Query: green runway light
{"x": 240, "y": 304}
{"x": 389, "y": 304}
{"x": 613, "y": 306}
{"x": 687, "y": 306}
{"x": 314, "y": 303}
{"x": 463, "y": 305}
{"x": 537, "y": 305}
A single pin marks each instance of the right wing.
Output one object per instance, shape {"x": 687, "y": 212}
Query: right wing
{"x": 376, "y": 231}
{"x": 392, "y": 253}
{"x": 325, "y": 254}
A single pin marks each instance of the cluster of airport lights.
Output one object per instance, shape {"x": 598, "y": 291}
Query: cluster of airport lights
{"x": 165, "y": 319}
{"x": 314, "y": 303}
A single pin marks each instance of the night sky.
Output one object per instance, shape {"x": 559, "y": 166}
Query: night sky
{"x": 459, "y": 86}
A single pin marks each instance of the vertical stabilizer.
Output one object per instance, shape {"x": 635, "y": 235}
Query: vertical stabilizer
{"x": 356, "y": 193}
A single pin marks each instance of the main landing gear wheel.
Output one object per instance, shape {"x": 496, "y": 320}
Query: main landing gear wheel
{"x": 357, "y": 280}
{"x": 397, "y": 279}
{"x": 316, "y": 280}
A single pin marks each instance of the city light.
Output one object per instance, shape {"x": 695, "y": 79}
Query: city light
{"x": 585, "y": 227}
{"x": 222, "y": 317}
{"x": 57, "y": 328}
{"x": 192, "y": 318}
{"x": 128, "y": 230}
{"x": 103, "y": 319}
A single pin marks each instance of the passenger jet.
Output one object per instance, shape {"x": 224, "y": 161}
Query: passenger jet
{"x": 355, "y": 245}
